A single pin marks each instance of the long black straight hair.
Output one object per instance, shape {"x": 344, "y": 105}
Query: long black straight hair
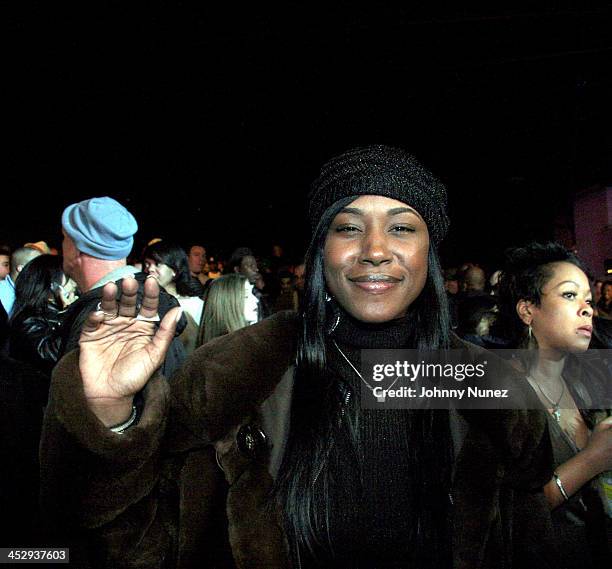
{"x": 317, "y": 401}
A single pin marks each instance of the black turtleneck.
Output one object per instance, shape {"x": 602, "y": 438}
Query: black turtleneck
{"x": 380, "y": 469}
{"x": 353, "y": 333}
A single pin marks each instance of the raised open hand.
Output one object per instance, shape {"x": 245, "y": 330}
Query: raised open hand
{"x": 120, "y": 350}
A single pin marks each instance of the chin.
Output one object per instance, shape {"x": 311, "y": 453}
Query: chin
{"x": 579, "y": 349}
{"x": 372, "y": 316}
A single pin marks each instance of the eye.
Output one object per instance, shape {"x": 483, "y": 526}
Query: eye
{"x": 590, "y": 302}
{"x": 569, "y": 295}
{"x": 347, "y": 229}
{"x": 403, "y": 229}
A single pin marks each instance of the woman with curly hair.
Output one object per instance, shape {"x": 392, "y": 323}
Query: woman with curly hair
{"x": 546, "y": 304}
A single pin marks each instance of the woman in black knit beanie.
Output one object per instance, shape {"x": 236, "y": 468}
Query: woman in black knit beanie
{"x": 307, "y": 477}
{"x": 374, "y": 281}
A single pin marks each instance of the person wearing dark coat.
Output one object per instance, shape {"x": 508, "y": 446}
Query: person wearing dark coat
{"x": 4, "y": 331}
{"x": 200, "y": 497}
{"x": 546, "y": 307}
{"x": 259, "y": 452}
{"x": 38, "y": 311}
{"x": 23, "y": 396}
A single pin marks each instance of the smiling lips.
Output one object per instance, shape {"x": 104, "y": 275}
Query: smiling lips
{"x": 376, "y": 283}
{"x": 585, "y": 331}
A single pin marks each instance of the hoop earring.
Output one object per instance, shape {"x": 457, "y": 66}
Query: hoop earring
{"x": 529, "y": 333}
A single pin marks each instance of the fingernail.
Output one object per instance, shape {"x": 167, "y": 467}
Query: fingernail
{"x": 179, "y": 314}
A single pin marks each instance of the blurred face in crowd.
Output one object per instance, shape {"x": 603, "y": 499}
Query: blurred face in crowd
{"x": 197, "y": 258}
{"x": 376, "y": 258}
{"x": 65, "y": 293}
{"x": 5, "y": 266}
{"x": 451, "y": 286}
{"x": 597, "y": 290}
{"x": 606, "y": 292}
{"x": 248, "y": 267}
{"x": 299, "y": 274}
{"x": 250, "y": 303}
{"x": 285, "y": 284}
{"x": 68, "y": 291}
{"x": 162, "y": 272}
{"x": 563, "y": 321}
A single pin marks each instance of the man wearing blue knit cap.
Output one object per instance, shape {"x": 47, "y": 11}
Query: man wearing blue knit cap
{"x": 98, "y": 237}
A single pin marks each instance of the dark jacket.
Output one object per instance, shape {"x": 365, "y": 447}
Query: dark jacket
{"x": 4, "y": 331}
{"x": 34, "y": 337}
{"x": 23, "y": 395}
{"x": 189, "y": 485}
{"x": 78, "y": 312}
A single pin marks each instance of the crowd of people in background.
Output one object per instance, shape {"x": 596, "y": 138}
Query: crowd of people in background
{"x": 33, "y": 310}
{"x": 46, "y": 296}
{"x": 188, "y": 274}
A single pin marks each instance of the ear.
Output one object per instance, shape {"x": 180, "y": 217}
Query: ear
{"x": 523, "y": 309}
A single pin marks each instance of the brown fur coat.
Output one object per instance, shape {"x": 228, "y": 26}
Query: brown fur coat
{"x": 187, "y": 486}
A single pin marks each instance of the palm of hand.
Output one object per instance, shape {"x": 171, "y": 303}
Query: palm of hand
{"x": 118, "y": 358}
{"x": 120, "y": 351}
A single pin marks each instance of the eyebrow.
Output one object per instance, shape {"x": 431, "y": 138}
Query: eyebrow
{"x": 390, "y": 212}
{"x": 570, "y": 282}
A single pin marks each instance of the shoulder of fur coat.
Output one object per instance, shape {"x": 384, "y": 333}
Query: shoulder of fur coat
{"x": 228, "y": 378}
{"x": 225, "y": 381}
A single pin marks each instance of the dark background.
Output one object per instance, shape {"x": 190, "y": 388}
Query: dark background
{"x": 210, "y": 122}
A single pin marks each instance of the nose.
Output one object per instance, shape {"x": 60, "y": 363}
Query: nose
{"x": 375, "y": 248}
{"x": 586, "y": 310}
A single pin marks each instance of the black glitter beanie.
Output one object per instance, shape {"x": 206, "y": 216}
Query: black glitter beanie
{"x": 384, "y": 171}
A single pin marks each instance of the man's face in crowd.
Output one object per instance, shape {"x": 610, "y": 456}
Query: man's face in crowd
{"x": 197, "y": 258}
{"x": 300, "y": 277}
{"x": 5, "y": 266}
{"x": 451, "y": 286}
{"x": 248, "y": 267}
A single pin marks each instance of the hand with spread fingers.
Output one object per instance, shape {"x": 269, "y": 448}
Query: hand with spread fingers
{"x": 120, "y": 349}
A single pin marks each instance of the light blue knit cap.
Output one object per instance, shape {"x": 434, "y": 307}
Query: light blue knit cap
{"x": 100, "y": 227}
